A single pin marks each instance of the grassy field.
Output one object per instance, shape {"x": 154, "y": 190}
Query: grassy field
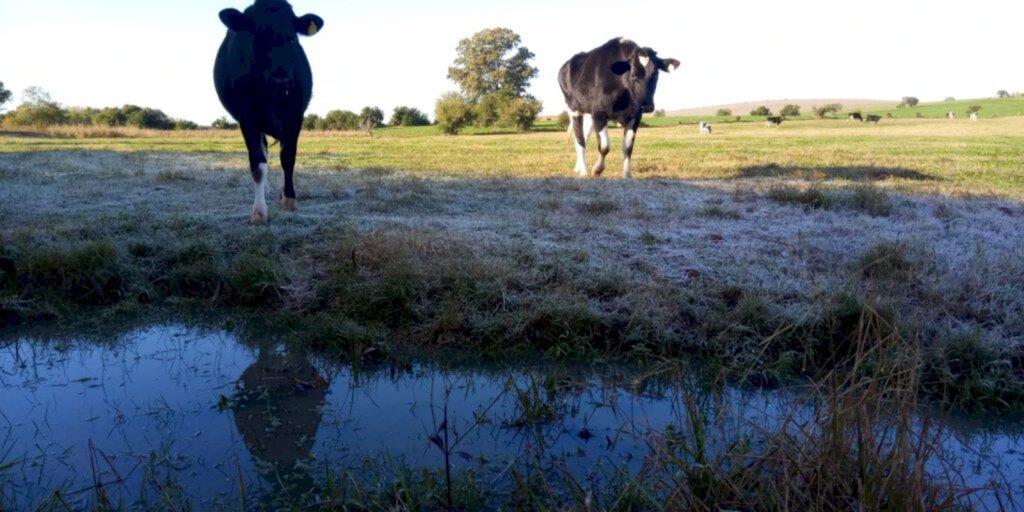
{"x": 877, "y": 261}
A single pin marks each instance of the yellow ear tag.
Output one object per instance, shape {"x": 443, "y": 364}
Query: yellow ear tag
{"x": 312, "y": 28}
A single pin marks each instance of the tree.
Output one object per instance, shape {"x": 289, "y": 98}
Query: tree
{"x": 791, "y": 110}
{"x": 519, "y": 113}
{"x": 492, "y": 60}
{"x": 340, "y": 120}
{"x": 761, "y": 111}
{"x": 38, "y": 110}
{"x": 371, "y": 116}
{"x": 311, "y": 122}
{"x": 223, "y": 123}
{"x": 909, "y": 101}
{"x": 562, "y": 121}
{"x": 1003, "y": 93}
{"x": 5, "y": 95}
{"x": 453, "y": 112}
{"x": 949, "y": 98}
{"x": 408, "y": 116}
{"x": 973, "y": 109}
{"x": 724, "y": 112}
{"x": 825, "y": 110}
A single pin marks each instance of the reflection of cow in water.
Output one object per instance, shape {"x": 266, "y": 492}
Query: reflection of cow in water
{"x": 277, "y": 411}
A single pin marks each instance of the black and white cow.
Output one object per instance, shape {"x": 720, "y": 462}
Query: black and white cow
{"x": 264, "y": 81}
{"x": 873, "y": 119}
{"x": 974, "y": 116}
{"x": 855, "y": 116}
{"x": 950, "y": 115}
{"x": 773, "y": 120}
{"x": 705, "y": 128}
{"x": 613, "y": 82}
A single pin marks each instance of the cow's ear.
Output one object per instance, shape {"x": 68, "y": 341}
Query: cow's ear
{"x": 309, "y": 25}
{"x": 620, "y": 68}
{"x": 236, "y": 21}
{"x": 668, "y": 65}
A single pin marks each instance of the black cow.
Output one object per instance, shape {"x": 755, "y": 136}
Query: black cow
{"x": 613, "y": 82}
{"x": 855, "y": 116}
{"x": 773, "y": 120}
{"x": 264, "y": 81}
{"x": 874, "y": 119}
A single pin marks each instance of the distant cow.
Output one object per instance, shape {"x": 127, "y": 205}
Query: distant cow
{"x": 705, "y": 128}
{"x": 950, "y": 115}
{"x": 613, "y": 82}
{"x": 264, "y": 81}
{"x": 874, "y": 119}
{"x": 974, "y": 116}
{"x": 773, "y": 120}
{"x": 855, "y": 116}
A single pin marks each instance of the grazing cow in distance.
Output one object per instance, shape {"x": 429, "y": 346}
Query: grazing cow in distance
{"x": 950, "y": 115}
{"x": 705, "y": 128}
{"x": 773, "y": 120}
{"x": 974, "y": 116}
{"x": 264, "y": 81}
{"x": 613, "y": 82}
{"x": 855, "y": 116}
{"x": 888, "y": 115}
{"x": 874, "y": 119}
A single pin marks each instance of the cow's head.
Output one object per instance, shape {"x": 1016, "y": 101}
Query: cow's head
{"x": 643, "y": 67}
{"x": 274, "y": 28}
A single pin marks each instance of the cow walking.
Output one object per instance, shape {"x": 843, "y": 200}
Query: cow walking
{"x": 264, "y": 81}
{"x": 613, "y": 82}
{"x": 773, "y": 121}
{"x": 873, "y": 119}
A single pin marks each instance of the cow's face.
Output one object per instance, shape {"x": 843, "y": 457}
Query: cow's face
{"x": 274, "y": 29}
{"x": 644, "y": 66}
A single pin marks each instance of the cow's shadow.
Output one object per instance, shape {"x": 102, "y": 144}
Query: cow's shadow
{"x": 277, "y": 407}
{"x": 848, "y": 173}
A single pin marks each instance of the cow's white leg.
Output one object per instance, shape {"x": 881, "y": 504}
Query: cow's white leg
{"x": 259, "y": 204}
{"x": 603, "y": 146}
{"x": 581, "y": 145}
{"x": 627, "y": 153}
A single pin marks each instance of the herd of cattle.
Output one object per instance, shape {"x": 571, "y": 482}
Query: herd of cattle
{"x": 265, "y": 82}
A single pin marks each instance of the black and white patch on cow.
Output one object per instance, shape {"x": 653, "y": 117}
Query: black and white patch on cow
{"x": 613, "y": 82}
{"x": 773, "y": 121}
{"x": 705, "y": 128}
{"x": 264, "y": 81}
{"x": 950, "y": 115}
{"x": 855, "y": 116}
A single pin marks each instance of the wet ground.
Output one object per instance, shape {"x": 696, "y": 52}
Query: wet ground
{"x": 175, "y": 409}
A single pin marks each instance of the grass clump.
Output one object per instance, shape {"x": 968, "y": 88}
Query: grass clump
{"x": 812, "y": 197}
{"x": 87, "y": 274}
{"x": 598, "y": 206}
{"x": 887, "y": 260}
{"x": 966, "y": 373}
{"x": 872, "y": 200}
{"x": 255, "y": 279}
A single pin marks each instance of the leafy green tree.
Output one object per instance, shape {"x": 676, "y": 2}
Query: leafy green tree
{"x": 825, "y": 110}
{"x": 791, "y": 110}
{"x": 562, "y": 121}
{"x": 184, "y": 124}
{"x": 5, "y": 95}
{"x": 340, "y": 120}
{"x": 910, "y": 102}
{"x": 371, "y": 116}
{"x": 761, "y": 111}
{"x": 38, "y": 110}
{"x": 492, "y": 60}
{"x": 408, "y": 116}
{"x": 311, "y": 122}
{"x": 1003, "y": 93}
{"x": 973, "y": 109}
{"x": 519, "y": 113}
{"x": 223, "y": 123}
{"x": 452, "y": 112}
{"x": 723, "y": 112}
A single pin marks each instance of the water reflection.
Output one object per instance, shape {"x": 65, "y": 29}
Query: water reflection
{"x": 198, "y": 410}
{"x": 277, "y": 408}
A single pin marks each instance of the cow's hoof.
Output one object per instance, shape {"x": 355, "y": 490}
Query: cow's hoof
{"x": 288, "y": 203}
{"x": 258, "y": 218}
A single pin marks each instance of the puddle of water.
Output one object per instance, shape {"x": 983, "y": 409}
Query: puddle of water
{"x": 170, "y": 408}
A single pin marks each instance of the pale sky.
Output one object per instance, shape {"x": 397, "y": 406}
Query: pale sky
{"x": 388, "y": 53}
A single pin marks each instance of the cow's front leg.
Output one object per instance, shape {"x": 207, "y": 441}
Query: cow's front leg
{"x": 628, "y": 137}
{"x": 581, "y": 126}
{"x": 603, "y": 144}
{"x": 256, "y": 144}
{"x": 289, "y": 147}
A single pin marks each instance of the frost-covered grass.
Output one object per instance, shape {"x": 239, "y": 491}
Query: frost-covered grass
{"x": 378, "y": 260}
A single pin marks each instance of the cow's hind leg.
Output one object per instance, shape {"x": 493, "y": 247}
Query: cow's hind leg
{"x": 289, "y": 147}
{"x": 603, "y": 143}
{"x": 580, "y": 125}
{"x": 628, "y": 138}
{"x": 256, "y": 144}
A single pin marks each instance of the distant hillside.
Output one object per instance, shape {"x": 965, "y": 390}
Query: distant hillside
{"x": 990, "y": 107}
{"x": 806, "y": 106}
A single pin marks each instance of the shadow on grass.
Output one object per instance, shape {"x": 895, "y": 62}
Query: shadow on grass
{"x": 851, "y": 173}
